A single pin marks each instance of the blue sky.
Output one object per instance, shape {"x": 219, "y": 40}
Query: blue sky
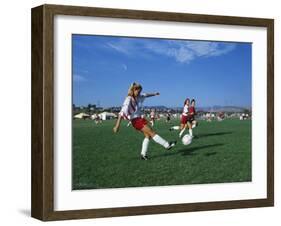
{"x": 214, "y": 73}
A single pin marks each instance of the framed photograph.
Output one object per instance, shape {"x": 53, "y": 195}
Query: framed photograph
{"x": 142, "y": 112}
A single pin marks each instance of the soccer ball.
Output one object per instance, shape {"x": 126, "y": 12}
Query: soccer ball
{"x": 187, "y": 139}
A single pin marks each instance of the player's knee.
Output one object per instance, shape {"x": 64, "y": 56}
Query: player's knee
{"x": 151, "y": 133}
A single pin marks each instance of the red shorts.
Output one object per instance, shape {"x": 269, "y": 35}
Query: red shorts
{"x": 184, "y": 119}
{"x": 138, "y": 123}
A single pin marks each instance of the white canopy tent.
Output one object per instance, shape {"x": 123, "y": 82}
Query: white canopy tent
{"x": 81, "y": 116}
{"x": 107, "y": 115}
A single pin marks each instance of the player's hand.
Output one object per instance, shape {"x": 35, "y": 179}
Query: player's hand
{"x": 115, "y": 129}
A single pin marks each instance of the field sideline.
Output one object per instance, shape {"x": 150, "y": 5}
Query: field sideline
{"x": 220, "y": 153}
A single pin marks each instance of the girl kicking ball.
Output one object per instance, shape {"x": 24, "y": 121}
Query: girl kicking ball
{"x": 192, "y": 112}
{"x": 184, "y": 119}
{"x": 131, "y": 110}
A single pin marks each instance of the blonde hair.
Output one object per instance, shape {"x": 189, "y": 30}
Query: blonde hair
{"x": 134, "y": 86}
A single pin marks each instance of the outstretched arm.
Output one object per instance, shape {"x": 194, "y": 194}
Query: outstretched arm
{"x": 117, "y": 124}
{"x": 151, "y": 94}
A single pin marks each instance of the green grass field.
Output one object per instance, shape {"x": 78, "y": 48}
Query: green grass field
{"x": 221, "y": 152}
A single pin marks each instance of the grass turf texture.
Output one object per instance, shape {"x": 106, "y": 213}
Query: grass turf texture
{"x": 221, "y": 152}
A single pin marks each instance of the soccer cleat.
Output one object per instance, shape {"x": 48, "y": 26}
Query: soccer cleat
{"x": 171, "y": 144}
{"x": 170, "y": 129}
{"x": 144, "y": 157}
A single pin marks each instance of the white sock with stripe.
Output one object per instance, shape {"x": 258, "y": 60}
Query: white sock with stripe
{"x": 175, "y": 128}
{"x": 181, "y": 132}
{"x": 144, "y": 148}
{"x": 160, "y": 141}
{"x": 190, "y": 132}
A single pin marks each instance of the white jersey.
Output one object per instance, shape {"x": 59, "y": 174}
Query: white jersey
{"x": 185, "y": 110}
{"x": 132, "y": 107}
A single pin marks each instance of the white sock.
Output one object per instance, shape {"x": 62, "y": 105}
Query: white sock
{"x": 175, "y": 127}
{"x": 193, "y": 126}
{"x": 182, "y": 131}
{"x": 160, "y": 141}
{"x": 190, "y": 132}
{"x": 144, "y": 148}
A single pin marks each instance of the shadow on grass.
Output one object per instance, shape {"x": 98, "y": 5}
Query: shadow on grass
{"x": 192, "y": 151}
{"x": 212, "y": 134}
{"x": 210, "y": 153}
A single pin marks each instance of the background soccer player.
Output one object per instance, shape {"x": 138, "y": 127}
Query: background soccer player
{"x": 184, "y": 118}
{"x": 131, "y": 110}
{"x": 168, "y": 117}
{"x": 191, "y": 122}
{"x": 152, "y": 117}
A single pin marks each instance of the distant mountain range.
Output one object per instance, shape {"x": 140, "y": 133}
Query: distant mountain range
{"x": 223, "y": 109}
{"x": 216, "y": 108}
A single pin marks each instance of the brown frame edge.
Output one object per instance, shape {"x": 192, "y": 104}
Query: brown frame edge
{"x": 42, "y": 197}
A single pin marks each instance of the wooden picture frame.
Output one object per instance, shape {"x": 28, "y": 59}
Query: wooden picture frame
{"x": 42, "y": 203}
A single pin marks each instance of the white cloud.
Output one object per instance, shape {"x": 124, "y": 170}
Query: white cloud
{"x": 186, "y": 51}
{"x": 181, "y": 54}
{"x": 79, "y": 78}
{"x": 181, "y": 51}
{"x": 203, "y": 48}
{"x": 119, "y": 47}
{"x": 124, "y": 66}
